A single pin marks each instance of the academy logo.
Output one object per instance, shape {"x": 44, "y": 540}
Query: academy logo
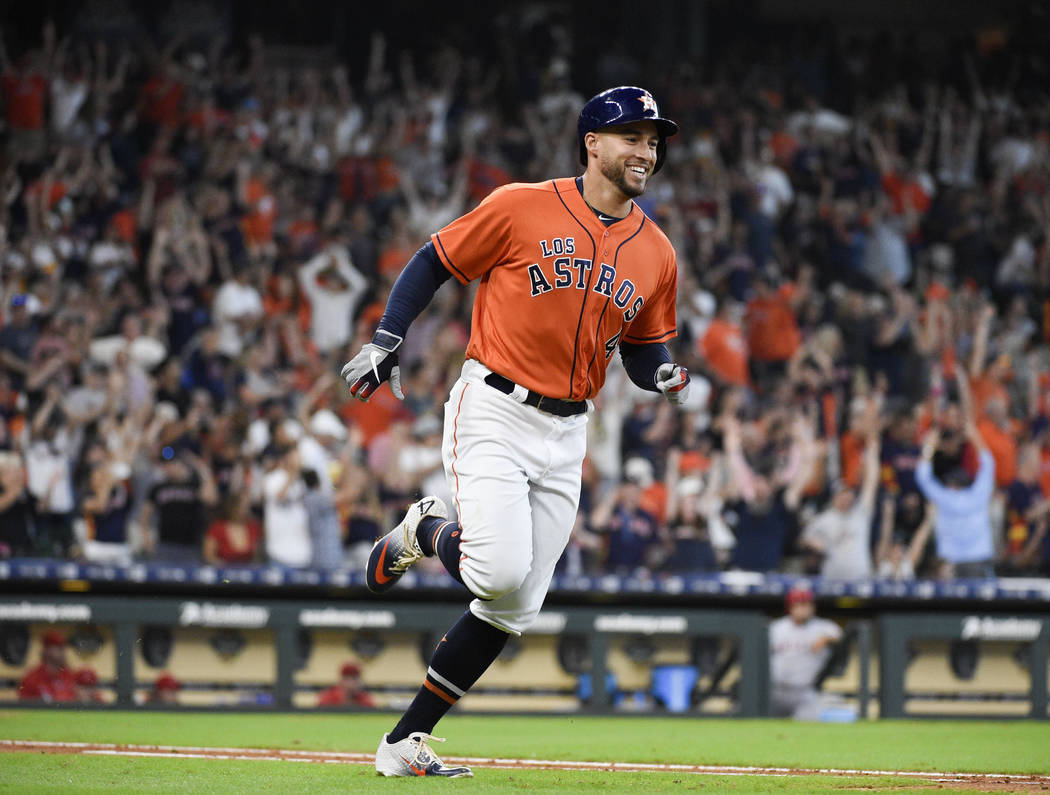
{"x": 207, "y": 614}
{"x": 988, "y": 628}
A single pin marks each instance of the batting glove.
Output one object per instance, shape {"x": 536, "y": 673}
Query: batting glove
{"x": 673, "y": 381}
{"x": 375, "y": 363}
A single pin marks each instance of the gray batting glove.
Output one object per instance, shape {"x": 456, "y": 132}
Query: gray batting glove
{"x": 375, "y": 363}
{"x": 673, "y": 381}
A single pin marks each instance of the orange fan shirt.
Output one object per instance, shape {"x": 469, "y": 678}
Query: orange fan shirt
{"x": 558, "y": 289}
{"x": 851, "y": 457}
{"x": 984, "y": 388}
{"x": 161, "y": 99}
{"x": 899, "y": 189}
{"x": 258, "y": 224}
{"x": 724, "y": 348}
{"x": 1003, "y": 448}
{"x": 25, "y": 97}
{"x": 772, "y": 331}
{"x": 1044, "y": 471}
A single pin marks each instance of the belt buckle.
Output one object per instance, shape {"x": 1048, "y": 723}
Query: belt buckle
{"x": 539, "y": 404}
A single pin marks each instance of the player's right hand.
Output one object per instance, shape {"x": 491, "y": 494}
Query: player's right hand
{"x": 374, "y": 364}
{"x": 673, "y": 381}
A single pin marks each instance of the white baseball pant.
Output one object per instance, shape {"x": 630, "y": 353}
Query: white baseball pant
{"x": 515, "y": 474}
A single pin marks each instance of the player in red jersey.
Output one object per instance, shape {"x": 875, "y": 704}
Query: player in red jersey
{"x": 85, "y": 686}
{"x": 348, "y": 691}
{"x": 570, "y": 271}
{"x": 51, "y": 680}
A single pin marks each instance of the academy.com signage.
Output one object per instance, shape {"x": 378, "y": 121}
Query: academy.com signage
{"x": 40, "y": 611}
{"x": 988, "y": 628}
{"x": 351, "y": 619}
{"x": 206, "y": 614}
{"x": 647, "y": 625}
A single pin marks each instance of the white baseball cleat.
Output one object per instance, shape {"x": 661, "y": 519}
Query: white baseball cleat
{"x": 397, "y": 550}
{"x": 413, "y": 757}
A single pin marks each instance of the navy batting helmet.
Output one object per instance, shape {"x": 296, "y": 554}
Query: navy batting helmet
{"x": 622, "y": 105}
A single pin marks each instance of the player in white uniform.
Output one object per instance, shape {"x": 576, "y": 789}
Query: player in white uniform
{"x": 799, "y": 646}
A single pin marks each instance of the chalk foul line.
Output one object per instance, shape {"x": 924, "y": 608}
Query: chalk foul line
{"x": 355, "y": 758}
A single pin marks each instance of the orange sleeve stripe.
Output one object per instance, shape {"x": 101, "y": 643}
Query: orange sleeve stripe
{"x": 439, "y": 692}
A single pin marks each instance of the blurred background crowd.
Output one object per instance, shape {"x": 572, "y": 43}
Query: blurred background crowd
{"x": 198, "y": 229}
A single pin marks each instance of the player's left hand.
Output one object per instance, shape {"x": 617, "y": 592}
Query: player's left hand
{"x": 673, "y": 381}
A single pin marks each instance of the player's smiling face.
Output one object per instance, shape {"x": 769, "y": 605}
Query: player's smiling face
{"x": 627, "y": 155}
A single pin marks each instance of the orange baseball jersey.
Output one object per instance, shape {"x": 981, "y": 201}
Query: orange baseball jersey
{"x": 559, "y": 290}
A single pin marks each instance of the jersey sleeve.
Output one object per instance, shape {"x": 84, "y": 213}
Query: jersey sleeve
{"x": 656, "y": 322}
{"x": 473, "y": 243}
{"x": 830, "y": 628}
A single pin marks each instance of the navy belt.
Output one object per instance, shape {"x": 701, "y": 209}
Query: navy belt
{"x": 555, "y": 406}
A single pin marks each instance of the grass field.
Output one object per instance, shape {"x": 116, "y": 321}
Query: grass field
{"x": 977, "y": 747}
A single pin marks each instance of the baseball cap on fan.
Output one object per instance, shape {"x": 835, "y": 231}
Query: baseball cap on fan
{"x": 27, "y": 301}
{"x": 324, "y": 422}
{"x": 639, "y": 471}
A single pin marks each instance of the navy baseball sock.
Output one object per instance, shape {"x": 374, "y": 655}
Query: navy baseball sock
{"x": 440, "y": 537}
{"x": 461, "y": 657}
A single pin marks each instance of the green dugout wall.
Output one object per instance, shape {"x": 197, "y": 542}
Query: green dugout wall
{"x": 891, "y": 635}
{"x": 1030, "y": 634}
{"x": 126, "y": 617}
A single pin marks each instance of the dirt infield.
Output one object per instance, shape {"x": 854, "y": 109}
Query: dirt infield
{"x": 1004, "y": 782}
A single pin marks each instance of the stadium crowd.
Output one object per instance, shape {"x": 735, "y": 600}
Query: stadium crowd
{"x": 196, "y": 236}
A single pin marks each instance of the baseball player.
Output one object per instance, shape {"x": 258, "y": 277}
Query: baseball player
{"x": 570, "y": 270}
{"x": 799, "y": 646}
